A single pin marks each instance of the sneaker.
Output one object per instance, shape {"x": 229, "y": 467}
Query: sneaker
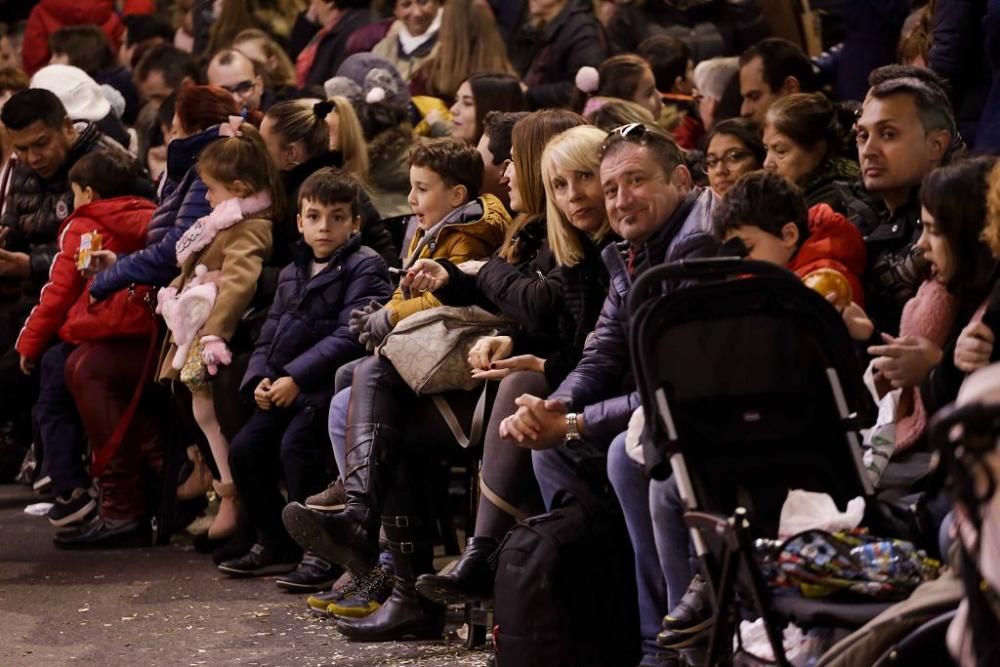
{"x": 260, "y": 561}
{"x": 312, "y": 574}
{"x": 331, "y": 499}
{"x": 370, "y": 593}
{"x": 73, "y": 509}
{"x": 694, "y": 612}
{"x": 345, "y": 585}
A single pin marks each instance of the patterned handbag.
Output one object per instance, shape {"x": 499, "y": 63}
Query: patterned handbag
{"x": 430, "y": 349}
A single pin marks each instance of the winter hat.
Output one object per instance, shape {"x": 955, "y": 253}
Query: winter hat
{"x": 341, "y": 86}
{"x": 370, "y": 71}
{"x": 82, "y": 97}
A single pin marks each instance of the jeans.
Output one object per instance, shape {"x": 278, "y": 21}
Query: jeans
{"x": 337, "y": 426}
{"x": 576, "y": 466}
{"x": 276, "y": 440}
{"x": 59, "y": 423}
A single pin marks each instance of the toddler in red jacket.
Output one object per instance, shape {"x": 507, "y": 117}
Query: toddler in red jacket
{"x": 769, "y": 217}
{"x": 107, "y": 215}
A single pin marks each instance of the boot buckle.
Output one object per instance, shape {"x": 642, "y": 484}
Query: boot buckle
{"x": 407, "y": 547}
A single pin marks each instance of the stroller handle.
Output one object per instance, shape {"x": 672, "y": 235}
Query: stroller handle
{"x": 651, "y": 282}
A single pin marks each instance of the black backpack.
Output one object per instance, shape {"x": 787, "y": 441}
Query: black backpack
{"x": 565, "y": 592}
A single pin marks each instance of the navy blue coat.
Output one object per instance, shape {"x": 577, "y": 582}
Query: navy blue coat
{"x": 182, "y": 202}
{"x": 306, "y": 333}
{"x": 601, "y": 385}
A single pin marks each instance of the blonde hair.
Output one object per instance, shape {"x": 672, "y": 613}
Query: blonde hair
{"x": 351, "y": 139}
{"x": 284, "y": 73}
{"x": 577, "y": 150}
{"x": 615, "y": 112}
{"x": 991, "y": 230}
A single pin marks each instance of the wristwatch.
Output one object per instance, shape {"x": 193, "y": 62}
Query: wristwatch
{"x": 572, "y": 431}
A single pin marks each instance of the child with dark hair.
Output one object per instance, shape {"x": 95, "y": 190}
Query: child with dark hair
{"x": 769, "y": 218}
{"x": 302, "y": 344}
{"x": 108, "y": 214}
{"x": 670, "y": 60}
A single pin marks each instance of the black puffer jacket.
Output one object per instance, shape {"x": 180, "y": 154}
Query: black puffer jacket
{"x": 36, "y": 207}
{"x": 548, "y": 58}
{"x": 554, "y": 308}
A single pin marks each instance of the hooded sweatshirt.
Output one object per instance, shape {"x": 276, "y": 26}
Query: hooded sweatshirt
{"x": 833, "y": 243}
{"x": 64, "y": 305}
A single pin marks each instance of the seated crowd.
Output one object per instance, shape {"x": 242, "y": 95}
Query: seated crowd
{"x": 215, "y": 223}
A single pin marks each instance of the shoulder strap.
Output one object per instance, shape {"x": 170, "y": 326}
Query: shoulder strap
{"x": 478, "y": 417}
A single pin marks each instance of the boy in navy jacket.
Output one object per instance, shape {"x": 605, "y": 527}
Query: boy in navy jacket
{"x": 305, "y": 339}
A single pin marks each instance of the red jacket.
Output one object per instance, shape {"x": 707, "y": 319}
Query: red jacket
{"x": 833, "y": 243}
{"x": 64, "y": 306}
{"x": 50, "y": 15}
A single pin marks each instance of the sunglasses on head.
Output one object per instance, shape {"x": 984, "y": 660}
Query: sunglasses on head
{"x": 629, "y": 132}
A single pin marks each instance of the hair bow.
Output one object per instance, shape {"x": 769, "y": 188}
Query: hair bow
{"x": 232, "y": 127}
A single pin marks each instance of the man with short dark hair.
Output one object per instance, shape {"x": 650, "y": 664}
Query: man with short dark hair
{"x": 232, "y": 70}
{"x": 652, "y": 204}
{"x": 494, "y": 147}
{"x": 160, "y": 72}
{"x": 906, "y": 128}
{"x": 769, "y": 70}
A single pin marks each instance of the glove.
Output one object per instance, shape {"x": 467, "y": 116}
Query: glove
{"x": 215, "y": 353}
{"x": 377, "y": 327}
{"x": 356, "y": 323}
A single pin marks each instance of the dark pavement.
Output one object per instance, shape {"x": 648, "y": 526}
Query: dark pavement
{"x": 164, "y": 606}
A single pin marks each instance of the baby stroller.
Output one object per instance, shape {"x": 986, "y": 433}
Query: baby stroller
{"x": 751, "y": 387}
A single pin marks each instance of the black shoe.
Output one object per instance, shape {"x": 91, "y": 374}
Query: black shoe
{"x": 101, "y": 533}
{"x": 694, "y": 612}
{"x": 336, "y": 537}
{"x": 313, "y": 574}
{"x": 260, "y": 561}
{"x": 468, "y": 579}
{"x": 405, "y": 615}
{"x": 74, "y": 508}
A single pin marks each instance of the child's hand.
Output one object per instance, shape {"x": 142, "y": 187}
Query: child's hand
{"x": 99, "y": 260}
{"x": 262, "y": 394}
{"x": 974, "y": 347}
{"x": 27, "y": 365}
{"x": 284, "y": 391}
{"x": 858, "y": 325}
{"x": 371, "y": 325}
{"x": 905, "y": 361}
{"x": 426, "y": 275}
{"x": 488, "y": 349}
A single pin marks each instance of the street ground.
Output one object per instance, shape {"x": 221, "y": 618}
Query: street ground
{"x": 165, "y": 606}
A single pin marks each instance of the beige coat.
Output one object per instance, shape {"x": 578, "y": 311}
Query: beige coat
{"x": 238, "y": 253}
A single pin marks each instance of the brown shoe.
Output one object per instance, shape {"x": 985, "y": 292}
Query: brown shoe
{"x": 332, "y": 499}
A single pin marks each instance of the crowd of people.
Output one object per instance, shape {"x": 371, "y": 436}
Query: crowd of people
{"x": 216, "y": 216}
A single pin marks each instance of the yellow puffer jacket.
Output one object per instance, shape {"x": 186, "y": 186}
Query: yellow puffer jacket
{"x": 473, "y": 231}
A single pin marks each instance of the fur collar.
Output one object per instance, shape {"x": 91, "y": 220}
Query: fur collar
{"x": 223, "y": 216}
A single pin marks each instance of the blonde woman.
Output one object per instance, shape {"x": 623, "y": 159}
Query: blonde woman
{"x": 348, "y": 138}
{"x": 556, "y": 296}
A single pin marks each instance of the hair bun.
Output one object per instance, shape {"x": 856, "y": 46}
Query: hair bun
{"x": 323, "y": 108}
{"x": 588, "y": 79}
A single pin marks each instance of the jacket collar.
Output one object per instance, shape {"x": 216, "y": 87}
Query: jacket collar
{"x": 654, "y": 249}
{"x": 183, "y": 153}
{"x": 302, "y": 254}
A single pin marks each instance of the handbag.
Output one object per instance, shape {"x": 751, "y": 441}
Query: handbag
{"x": 430, "y": 349}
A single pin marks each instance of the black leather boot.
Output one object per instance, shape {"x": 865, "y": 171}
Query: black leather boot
{"x": 468, "y": 579}
{"x": 405, "y": 615}
{"x": 350, "y": 538}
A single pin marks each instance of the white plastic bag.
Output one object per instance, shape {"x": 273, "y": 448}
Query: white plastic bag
{"x": 806, "y": 510}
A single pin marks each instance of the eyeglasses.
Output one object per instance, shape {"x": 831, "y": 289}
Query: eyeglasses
{"x": 242, "y": 88}
{"x": 729, "y": 158}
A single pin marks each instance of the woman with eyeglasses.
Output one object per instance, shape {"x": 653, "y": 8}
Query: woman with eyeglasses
{"x": 804, "y": 141}
{"x": 732, "y": 148}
